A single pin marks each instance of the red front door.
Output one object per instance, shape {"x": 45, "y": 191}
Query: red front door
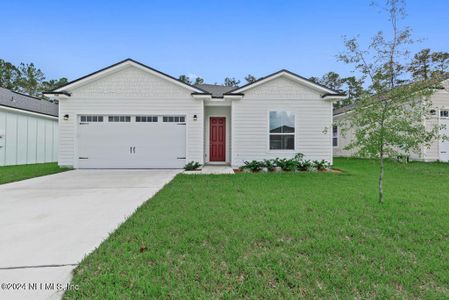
{"x": 217, "y": 138}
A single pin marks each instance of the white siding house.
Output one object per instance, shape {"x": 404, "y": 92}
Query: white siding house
{"x": 251, "y": 117}
{"x": 28, "y": 129}
{"x": 129, "y": 115}
{"x": 439, "y": 115}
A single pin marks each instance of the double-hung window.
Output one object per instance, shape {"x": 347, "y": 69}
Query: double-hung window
{"x": 335, "y": 136}
{"x": 444, "y": 113}
{"x": 282, "y": 130}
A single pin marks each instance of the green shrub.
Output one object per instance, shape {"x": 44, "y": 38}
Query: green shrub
{"x": 321, "y": 165}
{"x": 287, "y": 164}
{"x": 192, "y": 166}
{"x": 299, "y": 156}
{"x": 270, "y": 164}
{"x": 254, "y": 166}
{"x": 305, "y": 165}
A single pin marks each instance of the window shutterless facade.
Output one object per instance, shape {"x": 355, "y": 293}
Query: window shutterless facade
{"x": 444, "y": 113}
{"x": 281, "y": 130}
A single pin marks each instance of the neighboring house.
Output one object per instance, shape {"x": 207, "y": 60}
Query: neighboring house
{"x": 129, "y": 115}
{"x": 28, "y": 129}
{"x": 439, "y": 150}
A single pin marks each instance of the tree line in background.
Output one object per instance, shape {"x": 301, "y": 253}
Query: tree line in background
{"x": 228, "y": 81}
{"x": 426, "y": 64}
{"x": 26, "y": 78}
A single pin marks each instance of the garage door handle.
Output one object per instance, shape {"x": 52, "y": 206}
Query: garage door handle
{"x": 181, "y": 158}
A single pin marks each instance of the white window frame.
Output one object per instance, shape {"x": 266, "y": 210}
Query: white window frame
{"x": 446, "y": 110}
{"x": 125, "y": 118}
{"x": 337, "y": 137}
{"x": 290, "y": 133}
{"x": 147, "y": 119}
{"x": 166, "y": 119}
{"x": 93, "y": 118}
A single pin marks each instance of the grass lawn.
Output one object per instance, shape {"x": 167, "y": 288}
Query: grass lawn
{"x": 318, "y": 235}
{"x": 21, "y": 172}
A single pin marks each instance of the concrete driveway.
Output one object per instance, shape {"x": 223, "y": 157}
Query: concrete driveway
{"x": 48, "y": 224}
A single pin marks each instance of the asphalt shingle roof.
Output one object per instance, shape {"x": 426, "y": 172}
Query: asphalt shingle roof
{"x": 12, "y": 99}
{"x": 215, "y": 89}
{"x": 343, "y": 109}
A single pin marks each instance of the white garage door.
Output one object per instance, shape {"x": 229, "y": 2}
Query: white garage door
{"x": 444, "y": 145}
{"x": 149, "y": 141}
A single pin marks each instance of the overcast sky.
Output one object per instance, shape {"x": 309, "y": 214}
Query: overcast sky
{"x": 211, "y": 39}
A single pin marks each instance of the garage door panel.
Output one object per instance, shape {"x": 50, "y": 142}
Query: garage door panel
{"x": 132, "y": 145}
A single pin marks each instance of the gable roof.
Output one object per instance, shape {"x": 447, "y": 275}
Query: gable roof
{"x": 24, "y": 102}
{"x": 327, "y": 91}
{"x": 216, "y": 90}
{"x": 63, "y": 89}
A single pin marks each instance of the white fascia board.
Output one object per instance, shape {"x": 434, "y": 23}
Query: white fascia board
{"x": 233, "y": 97}
{"x": 202, "y": 96}
{"x": 217, "y": 102}
{"x": 334, "y": 97}
{"x": 288, "y": 75}
{"x": 58, "y": 97}
{"x": 92, "y": 77}
{"x": 119, "y": 67}
{"x": 26, "y": 112}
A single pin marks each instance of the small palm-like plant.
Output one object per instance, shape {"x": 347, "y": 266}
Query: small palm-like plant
{"x": 254, "y": 166}
{"x": 305, "y": 165}
{"x": 192, "y": 166}
{"x": 321, "y": 165}
{"x": 270, "y": 164}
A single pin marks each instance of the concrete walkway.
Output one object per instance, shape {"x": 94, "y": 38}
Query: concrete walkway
{"x": 50, "y": 223}
{"x": 212, "y": 169}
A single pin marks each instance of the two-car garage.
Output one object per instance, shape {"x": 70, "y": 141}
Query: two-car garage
{"x": 131, "y": 141}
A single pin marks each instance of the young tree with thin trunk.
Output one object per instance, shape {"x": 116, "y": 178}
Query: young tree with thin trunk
{"x": 388, "y": 119}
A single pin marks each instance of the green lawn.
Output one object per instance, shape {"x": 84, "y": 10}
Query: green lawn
{"x": 273, "y": 236}
{"x": 21, "y": 172}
